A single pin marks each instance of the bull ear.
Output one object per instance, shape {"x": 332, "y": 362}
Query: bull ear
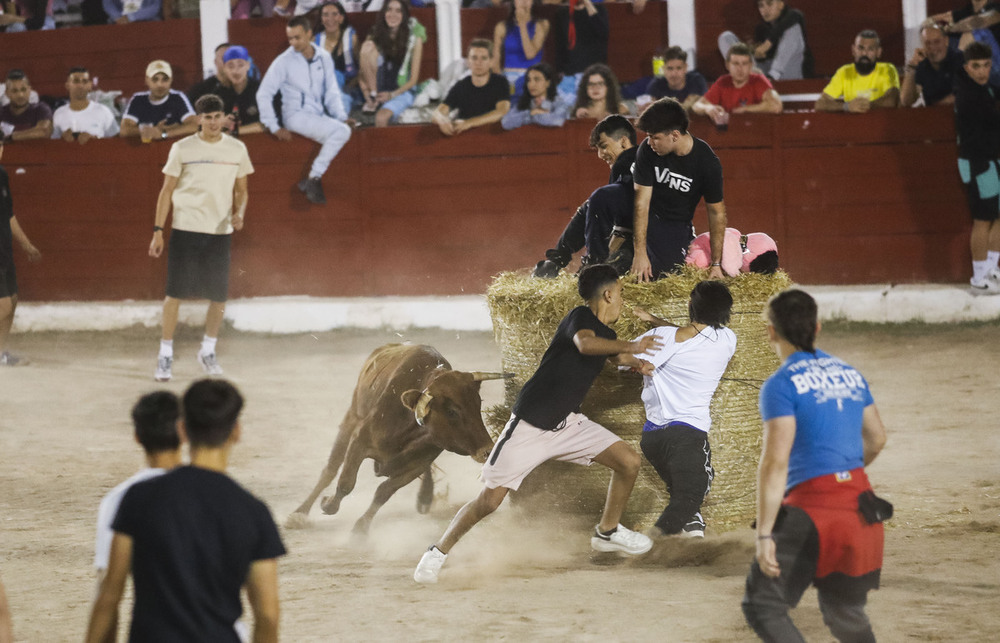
{"x": 479, "y": 376}
{"x": 410, "y": 398}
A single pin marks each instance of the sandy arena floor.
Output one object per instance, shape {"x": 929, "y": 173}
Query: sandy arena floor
{"x": 65, "y": 440}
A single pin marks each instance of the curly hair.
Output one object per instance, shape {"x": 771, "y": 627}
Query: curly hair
{"x": 613, "y": 97}
{"x": 392, "y": 47}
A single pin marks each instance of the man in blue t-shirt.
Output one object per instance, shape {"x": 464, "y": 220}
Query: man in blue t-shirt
{"x": 192, "y": 539}
{"x": 684, "y": 86}
{"x": 818, "y": 521}
{"x": 546, "y": 423}
{"x": 161, "y": 112}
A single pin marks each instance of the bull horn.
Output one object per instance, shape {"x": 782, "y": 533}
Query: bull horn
{"x": 421, "y": 407}
{"x": 479, "y": 376}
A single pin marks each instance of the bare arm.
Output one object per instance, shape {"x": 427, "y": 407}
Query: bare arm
{"x": 23, "y": 241}
{"x": 690, "y": 101}
{"x": 588, "y": 343}
{"x": 648, "y": 317}
{"x": 499, "y": 33}
{"x": 128, "y": 128}
{"x": 188, "y": 126}
{"x": 240, "y": 196}
{"x": 163, "y": 203}
{"x": 772, "y": 475}
{"x": 640, "y": 223}
{"x": 492, "y": 116}
{"x": 104, "y": 615}
{"x": 888, "y": 99}
{"x": 980, "y": 21}
{"x": 827, "y": 103}
{"x": 909, "y": 89}
{"x": 262, "y": 592}
{"x": 442, "y": 118}
{"x": 716, "y": 235}
{"x": 703, "y": 107}
{"x": 872, "y": 433}
{"x": 770, "y": 104}
{"x": 42, "y": 129}
{"x": 532, "y": 46}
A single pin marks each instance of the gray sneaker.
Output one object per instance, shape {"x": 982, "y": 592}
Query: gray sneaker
{"x": 163, "y": 369}
{"x": 429, "y": 566}
{"x": 7, "y": 359}
{"x": 209, "y": 364}
{"x": 621, "y": 539}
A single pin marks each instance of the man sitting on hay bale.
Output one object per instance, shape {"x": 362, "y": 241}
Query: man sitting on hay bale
{"x": 546, "y": 424}
{"x": 677, "y": 396}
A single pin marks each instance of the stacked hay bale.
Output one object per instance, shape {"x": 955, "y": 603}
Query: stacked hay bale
{"x": 526, "y": 312}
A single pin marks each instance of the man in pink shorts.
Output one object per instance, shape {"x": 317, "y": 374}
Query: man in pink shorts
{"x": 546, "y": 423}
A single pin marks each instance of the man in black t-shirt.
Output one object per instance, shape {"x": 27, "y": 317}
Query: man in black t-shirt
{"x": 192, "y": 538}
{"x": 608, "y": 211}
{"x": 673, "y": 171}
{"x": 481, "y": 98}
{"x": 930, "y": 72}
{"x": 546, "y": 423}
{"x": 9, "y": 231}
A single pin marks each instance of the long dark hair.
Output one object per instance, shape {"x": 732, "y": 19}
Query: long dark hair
{"x": 546, "y": 70}
{"x": 612, "y": 98}
{"x": 344, "y": 24}
{"x": 392, "y": 48}
{"x": 512, "y": 11}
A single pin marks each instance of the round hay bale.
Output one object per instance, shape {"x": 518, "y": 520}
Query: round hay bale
{"x": 526, "y": 312}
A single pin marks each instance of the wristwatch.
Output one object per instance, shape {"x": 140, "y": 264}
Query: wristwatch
{"x": 163, "y": 135}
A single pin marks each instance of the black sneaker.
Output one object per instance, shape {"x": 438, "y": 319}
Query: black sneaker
{"x": 695, "y": 527}
{"x": 313, "y": 189}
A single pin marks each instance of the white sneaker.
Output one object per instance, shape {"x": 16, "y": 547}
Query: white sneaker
{"x": 429, "y": 566}
{"x": 994, "y": 274}
{"x": 209, "y": 364}
{"x": 987, "y": 286}
{"x": 163, "y": 369}
{"x": 623, "y": 540}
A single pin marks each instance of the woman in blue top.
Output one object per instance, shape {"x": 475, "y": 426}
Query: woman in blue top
{"x": 340, "y": 40}
{"x": 390, "y": 62}
{"x": 518, "y": 43}
{"x": 818, "y": 521}
{"x": 539, "y": 104}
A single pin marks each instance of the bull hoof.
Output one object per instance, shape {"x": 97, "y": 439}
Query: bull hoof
{"x": 297, "y": 521}
{"x": 423, "y": 507}
{"x": 330, "y": 505}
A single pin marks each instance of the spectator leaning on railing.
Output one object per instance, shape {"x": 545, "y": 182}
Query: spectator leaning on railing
{"x": 741, "y": 91}
{"x": 865, "y": 84}
{"x": 930, "y": 73}
{"x": 82, "y": 119}
{"x": 20, "y": 119}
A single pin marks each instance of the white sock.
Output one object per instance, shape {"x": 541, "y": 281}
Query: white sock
{"x": 992, "y": 258}
{"x": 979, "y": 271}
{"x": 208, "y": 345}
{"x": 166, "y": 348}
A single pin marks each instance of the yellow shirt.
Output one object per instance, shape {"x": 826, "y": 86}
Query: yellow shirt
{"x": 207, "y": 172}
{"x": 848, "y": 84}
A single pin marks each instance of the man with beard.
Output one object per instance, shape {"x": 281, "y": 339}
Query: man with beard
{"x": 866, "y": 84}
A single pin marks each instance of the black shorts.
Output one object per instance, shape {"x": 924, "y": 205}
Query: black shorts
{"x": 8, "y": 280}
{"x": 982, "y": 188}
{"x": 198, "y": 266}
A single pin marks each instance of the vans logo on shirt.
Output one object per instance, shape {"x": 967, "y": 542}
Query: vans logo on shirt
{"x": 672, "y": 179}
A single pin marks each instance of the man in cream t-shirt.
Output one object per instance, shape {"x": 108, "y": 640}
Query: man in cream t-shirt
{"x": 205, "y": 182}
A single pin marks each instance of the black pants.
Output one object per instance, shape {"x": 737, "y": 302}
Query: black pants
{"x": 683, "y": 458}
{"x": 767, "y": 600}
{"x": 592, "y": 223}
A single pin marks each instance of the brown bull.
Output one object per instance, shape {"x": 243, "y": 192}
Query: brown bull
{"x": 408, "y": 407}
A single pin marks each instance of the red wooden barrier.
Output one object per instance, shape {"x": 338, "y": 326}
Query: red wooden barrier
{"x": 849, "y": 199}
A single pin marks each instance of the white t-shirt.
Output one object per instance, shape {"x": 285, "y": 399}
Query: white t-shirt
{"x": 203, "y": 198}
{"x": 687, "y": 374}
{"x": 96, "y": 120}
{"x": 107, "y": 511}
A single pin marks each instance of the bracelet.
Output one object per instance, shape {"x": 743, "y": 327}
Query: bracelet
{"x": 157, "y": 228}
{"x": 767, "y": 537}
{"x": 717, "y": 263}
{"x": 163, "y": 135}
{"x": 846, "y": 106}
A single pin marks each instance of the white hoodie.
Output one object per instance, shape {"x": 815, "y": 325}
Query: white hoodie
{"x": 305, "y": 85}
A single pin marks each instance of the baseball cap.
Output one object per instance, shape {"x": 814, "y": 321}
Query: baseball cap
{"x": 159, "y": 67}
{"x": 236, "y": 52}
